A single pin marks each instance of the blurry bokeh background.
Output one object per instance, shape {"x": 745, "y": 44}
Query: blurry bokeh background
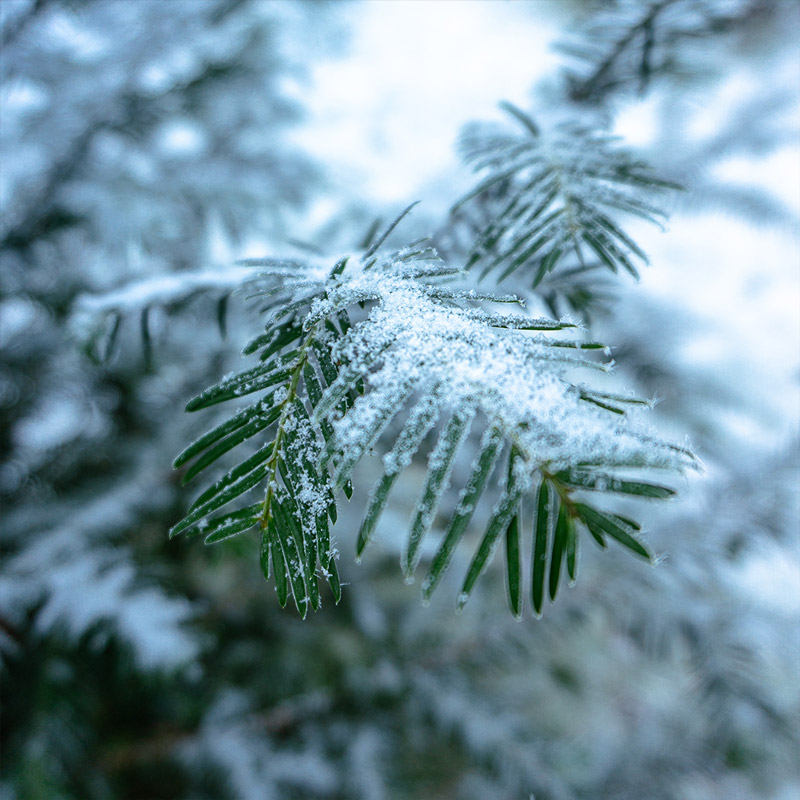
{"x": 144, "y": 147}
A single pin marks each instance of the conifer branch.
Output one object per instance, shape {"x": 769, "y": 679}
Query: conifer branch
{"x": 548, "y": 200}
{"x": 431, "y": 348}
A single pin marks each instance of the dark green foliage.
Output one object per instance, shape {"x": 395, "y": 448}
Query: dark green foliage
{"x": 293, "y": 516}
{"x": 541, "y": 527}
{"x": 552, "y": 200}
{"x": 333, "y": 388}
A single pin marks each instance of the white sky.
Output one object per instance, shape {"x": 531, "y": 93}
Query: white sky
{"x": 387, "y": 116}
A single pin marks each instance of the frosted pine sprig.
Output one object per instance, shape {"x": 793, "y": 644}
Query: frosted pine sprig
{"x": 419, "y": 352}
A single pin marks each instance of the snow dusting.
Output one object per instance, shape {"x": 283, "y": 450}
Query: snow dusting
{"x": 521, "y": 381}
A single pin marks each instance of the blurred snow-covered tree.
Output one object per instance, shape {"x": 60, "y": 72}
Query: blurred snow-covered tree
{"x": 624, "y": 46}
{"x": 133, "y": 668}
{"x": 136, "y": 138}
{"x": 130, "y": 120}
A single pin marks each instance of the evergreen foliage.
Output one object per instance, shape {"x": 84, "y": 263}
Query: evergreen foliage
{"x": 547, "y": 198}
{"x": 144, "y": 145}
{"x": 333, "y": 387}
{"x": 627, "y": 44}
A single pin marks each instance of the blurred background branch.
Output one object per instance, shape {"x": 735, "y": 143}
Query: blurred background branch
{"x": 145, "y": 147}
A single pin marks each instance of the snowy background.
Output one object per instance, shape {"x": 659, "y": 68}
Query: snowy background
{"x": 144, "y": 146}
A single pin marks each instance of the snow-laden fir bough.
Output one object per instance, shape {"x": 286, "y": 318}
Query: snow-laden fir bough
{"x": 346, "y": 350}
